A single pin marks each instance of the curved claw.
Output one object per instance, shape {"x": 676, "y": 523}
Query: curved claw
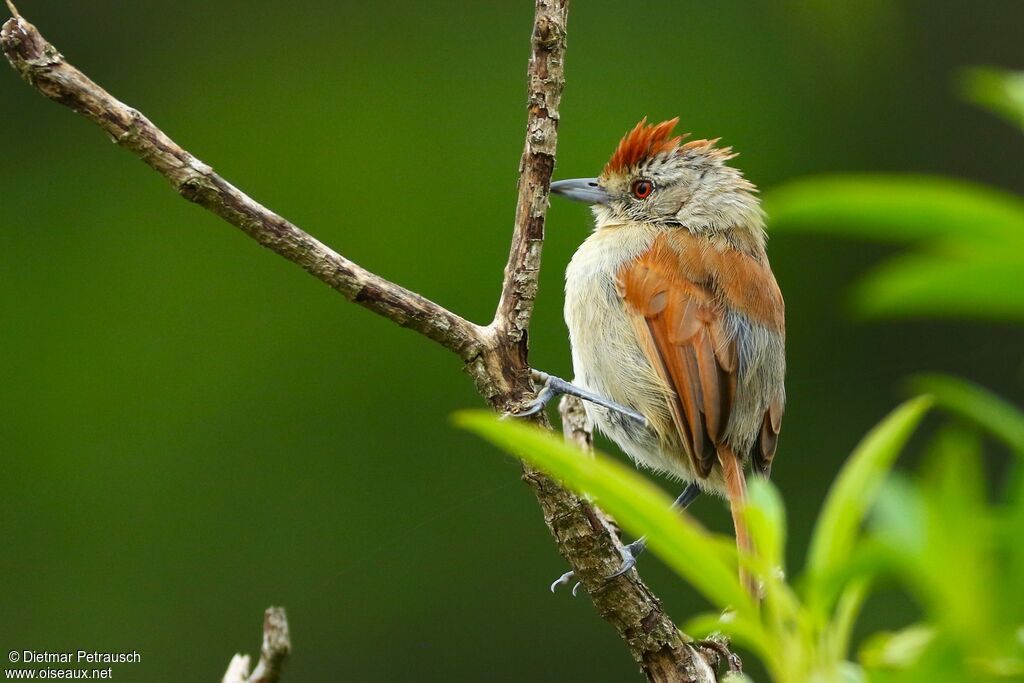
{"x": 544, "y": 397}
{"x": 563, "y": 580}
{"x": 629, "y": 555}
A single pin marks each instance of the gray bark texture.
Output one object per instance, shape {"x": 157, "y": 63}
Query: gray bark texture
{"x": 495, "y": 355}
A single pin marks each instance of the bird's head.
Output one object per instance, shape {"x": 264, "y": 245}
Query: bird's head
{"x": 657, "y": 179}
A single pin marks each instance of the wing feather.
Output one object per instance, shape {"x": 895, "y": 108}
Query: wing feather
{"x": 679, "y": 314}
{"x": 768, "y": 442}
{"x": 679, "y": 324}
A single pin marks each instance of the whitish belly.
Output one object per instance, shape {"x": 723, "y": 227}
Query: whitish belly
{"x": 607, "y": 358}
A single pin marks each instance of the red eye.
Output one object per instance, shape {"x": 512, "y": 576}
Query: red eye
{"x": 643, "y": 189}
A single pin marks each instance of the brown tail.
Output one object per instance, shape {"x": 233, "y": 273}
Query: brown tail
{"x": 736, "y": 490}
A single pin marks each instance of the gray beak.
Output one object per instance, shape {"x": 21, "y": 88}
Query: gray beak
{"x": 584, "y": 190}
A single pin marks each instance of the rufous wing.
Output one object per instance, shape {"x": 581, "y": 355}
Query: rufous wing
{"x": 679, "y": 323}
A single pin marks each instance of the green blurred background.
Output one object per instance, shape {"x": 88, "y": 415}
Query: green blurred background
{"x": 193, "y": 429}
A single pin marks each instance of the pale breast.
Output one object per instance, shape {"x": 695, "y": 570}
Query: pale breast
{"x": 607, "y": 358}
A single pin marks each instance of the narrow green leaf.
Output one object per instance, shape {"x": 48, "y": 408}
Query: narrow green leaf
{"x": 968, "y": 400}
{"x": 857, "y": 485}
{"x": 896, "y": 209}
{"x": 848, "y": 607}
{"x": 955, "y": 575}
{"x": 987, "y": 287}
{"x": 637, "y": 504}
{"x": 999, "y": 91}
{"x": 766, "y": 517}
{"x": 897, "y": 650}
{"x": 1011, "y": 531}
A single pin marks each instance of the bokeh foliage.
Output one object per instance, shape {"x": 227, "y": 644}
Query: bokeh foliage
{"x": 937, "y": 535}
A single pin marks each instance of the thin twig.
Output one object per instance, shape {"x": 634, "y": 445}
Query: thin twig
{"x": 495, "y": 355}
{"x": 276, "y": 647}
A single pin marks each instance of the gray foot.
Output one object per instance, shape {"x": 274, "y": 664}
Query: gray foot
{"x": 555, "y": 386}
{"x": 629, "y": 555}
{"x": 634, "y": 550}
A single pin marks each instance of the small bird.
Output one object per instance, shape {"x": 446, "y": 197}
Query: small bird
{"x": 676, "y": 323}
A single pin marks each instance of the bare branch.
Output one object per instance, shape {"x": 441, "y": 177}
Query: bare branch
{"x": 495, "y": 356}
{"x": 43, "y": 67}
{"x": 546, "y": 82}
{"x": 276, "y": 647}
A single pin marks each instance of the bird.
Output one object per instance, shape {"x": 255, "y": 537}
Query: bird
{"x": 676, "y": 322}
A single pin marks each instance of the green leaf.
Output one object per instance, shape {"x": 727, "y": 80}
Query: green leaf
{"x": 955, "y": 574}
{"x": 743, "y": 632}
{"x": 897, "y": 650}
{"x": 848, "y": 607}
{"x": 896, "y": 209}
{"x": 978, "y": 405}
{"x": 637, "y": 504}
{"x": 899, "y": 522}
{"x": 857, "y": 485}
{"x": 766, "y": 518}
{"x": 1011, "y": 531}
{"x": 999, "y": 91}
{"x": 987, "y": 288}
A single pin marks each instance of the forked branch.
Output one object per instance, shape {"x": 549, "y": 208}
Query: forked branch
{"x": 495, "y": 355}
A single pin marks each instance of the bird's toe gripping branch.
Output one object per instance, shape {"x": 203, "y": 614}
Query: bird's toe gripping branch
{"x": 634, "y": 550}
{"x": 552, "y": 387}
{"x": 630, "y": 553}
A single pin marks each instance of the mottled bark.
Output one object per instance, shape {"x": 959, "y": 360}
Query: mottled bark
{"x": 495, "y": 356}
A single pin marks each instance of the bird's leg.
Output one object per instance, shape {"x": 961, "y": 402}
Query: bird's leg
{"x": 555, "y": 386}
{"x": 631, "y": 552}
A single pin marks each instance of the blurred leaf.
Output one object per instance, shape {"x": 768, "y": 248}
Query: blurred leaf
{"x": 1011, "y": 531}
{"x": 766, "y": 518}
{"x": 896, "y": 209}
{"x": 983, "y": 286}
{"x": 897, "y": 649}
{"x": 968, "y": 400}
{"x": 637, "y": 504}
{"x": 954, "y": 573}
{"x": 900, "y": 518}
{"x": 939, "y": 530}
{"x": 741, "y": 631}
{"x": 999, "y": 91}
{"x": 857, "y": 485}
{"x": 851, "y": 673}
{"x": 848, "y": 607}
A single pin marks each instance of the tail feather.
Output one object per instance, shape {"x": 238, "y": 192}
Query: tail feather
{"x": 736, "y": 490}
